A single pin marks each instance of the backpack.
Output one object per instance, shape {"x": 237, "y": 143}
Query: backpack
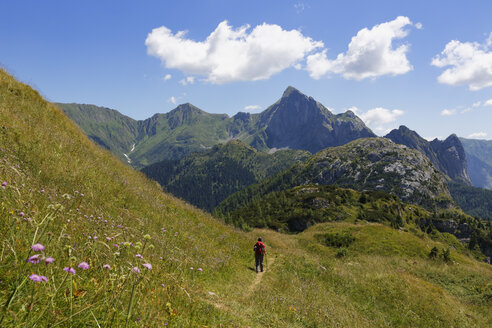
{"x": 259, "y": 248}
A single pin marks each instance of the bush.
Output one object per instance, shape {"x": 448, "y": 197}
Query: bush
{"x": 342, "y": 252}
{"x": 337, "y": 239}
{"x": 446, "y": 255}
{"x": 433, "y": 253}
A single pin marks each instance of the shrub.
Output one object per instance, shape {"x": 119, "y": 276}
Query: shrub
{"x": 446, "y": 255}
{"x": 433, "y": 253}
{"x": 342, "y": 252}
{"x": 337, "y": 239}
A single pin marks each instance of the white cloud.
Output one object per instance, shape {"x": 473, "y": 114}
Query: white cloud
{"x": 488, "y": 103}
{"x": 353, "y": 109}
{"x": 478, "y": 103}
{"x": 173, "y": 100}
{"x": 466, "y": 110}
{"x": 370, "y": 54}
{"x": 300, "y": 6}
{"x": 470, "y": 64}
{"x": 418, "y": 26}
{"x": 432, "y": 138}
{"x": 379, "y": 116}
{"x": 251, "y": 108}
{"x": 448, "y": 112}
{"x": 477, "y": 135}
{"x": 187, "y": 80}
{"x": 167, "y": 77}
{"x": 230, "y": 55}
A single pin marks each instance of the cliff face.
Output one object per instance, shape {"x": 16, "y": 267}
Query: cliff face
{"x": 448, "y": 156}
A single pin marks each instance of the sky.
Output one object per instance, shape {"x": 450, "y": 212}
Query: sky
{"x": 423, "y": 64}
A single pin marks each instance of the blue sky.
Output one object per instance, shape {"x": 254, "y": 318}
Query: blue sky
{"x": 424, "y": 64}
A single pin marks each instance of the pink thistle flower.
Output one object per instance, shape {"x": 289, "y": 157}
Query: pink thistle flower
{"x": 69, "y": 270}
{"x": 37, "y": 247}
{"x": 38, "y": 278}
{"x": 4, "y": 184}
{"x": 49, "y": 260}
{"x": 139, "y": 256}
{"x": 83, "y": 266}
{"x": 22, "y": 214}
{"x": 136, "y": 270}
{"x": 107, "y": 267}
{"x": 148, "y": 266}
{"x": 116, "y": 245}
{"x": 34, "y": 259}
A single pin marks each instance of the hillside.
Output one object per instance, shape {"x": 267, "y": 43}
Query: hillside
{"x": 206, "y": 178}
{"x": 366, "y": 164}
{"x": 60, "y": 190}
{"x": 295, "y": 121}
{"x": 479, "y": 156}
{"x": 448, "y": 156}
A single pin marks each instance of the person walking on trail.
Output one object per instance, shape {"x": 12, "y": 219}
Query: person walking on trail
{"x": 259, "y": 249}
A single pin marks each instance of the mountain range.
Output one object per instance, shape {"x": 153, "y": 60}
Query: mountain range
{"x": 295, "y": 121}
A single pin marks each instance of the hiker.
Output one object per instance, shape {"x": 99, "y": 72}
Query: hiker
{"x": 259, "y": 249}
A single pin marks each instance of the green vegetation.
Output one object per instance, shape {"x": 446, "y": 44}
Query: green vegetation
{"x": 474, "y": 201}
{"x": 205, "y": 179}
{"x": 62, "y": 191}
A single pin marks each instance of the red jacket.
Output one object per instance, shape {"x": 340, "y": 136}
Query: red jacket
{"x": 259, "y": 248}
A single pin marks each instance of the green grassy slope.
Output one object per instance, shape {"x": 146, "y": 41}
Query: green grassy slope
{"x": 206, "y": 178}
{"x": 62, "y": 191}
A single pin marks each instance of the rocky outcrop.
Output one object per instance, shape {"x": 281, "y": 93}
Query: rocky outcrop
{"x": 448, "y": 155}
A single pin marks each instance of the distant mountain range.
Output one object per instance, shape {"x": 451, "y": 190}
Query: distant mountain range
{"x": 479, "y": 158}
{"x": 295, "y": 121}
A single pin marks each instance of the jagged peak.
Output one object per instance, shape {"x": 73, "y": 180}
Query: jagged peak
{"x": 291, "y": 90}
{"x": 187, "y": 107}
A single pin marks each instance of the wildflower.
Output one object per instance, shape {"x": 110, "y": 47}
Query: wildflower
{"x": 83, "y": 266}
{"x": 106, "y": 266}
{"x": 200, "y": 269}
{"x": 69, "y": 269}
{"x": 191, "y": 268}
{"x": 116, "y": 245}
{"x": 82, "y": 195}
{"x": 136, "y": 270}
{"x": 34, "y": 259}
{"x": 95, "y": 237}
{"x": 108, "y": 238}
{"x": 147, "y": 237}
{"x": 22, "y": 214}
{"x": 37, "y": 278}
{"x": 139, "y": 256}
{"x": 163, "y": 285}
{"x": 37, "y": 247}
{"x": 148, "y": 266}
{"x": 4, "y": 184}
{"x": 49, "y": 260}
{"x": 176, "y": 234}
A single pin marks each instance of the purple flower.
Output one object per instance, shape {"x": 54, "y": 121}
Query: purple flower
{"x": 191, "y": 268}
{"x": 37, "y": 247}
{"x": 69, "y": 269}
{"x": 83, "y": 266}
{"x": 139, "y": 256}
{"x": 176, "y": 234}
{"x": 49, "y": 260}
{"x": 163, "y": 285}
{"x": 116, "y": 245}
{"x": 108, "y": 238}
{"x": 148, "y": 266}
{"x": 37, "y": 278}
{"x": 200, "y": 269}
{"x": 4, "y": 184}
{"x": 136, "y": 270}
{"x": 107, "y": 267}
{"x": 22, "y": 214}
{"x": 34, "y": 259}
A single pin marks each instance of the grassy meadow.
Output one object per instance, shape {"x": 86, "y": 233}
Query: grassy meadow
{"x": 118, "y": 252}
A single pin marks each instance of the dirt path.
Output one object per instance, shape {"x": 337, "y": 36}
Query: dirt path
{"x": 258, "y": 278}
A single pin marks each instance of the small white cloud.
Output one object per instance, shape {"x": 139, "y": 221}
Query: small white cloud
{"x": 251, "y": 108}
{"x": 418, "y": 25}
{"x": 470, "y": 63}
{"x": 432, "y": 138}
{"x": 466, "y": 110}
{"x": 187, "y": 80}
{"x": 379, "y": 116}
{"x": 488, "y": 103}
{"x": 353, "y": 109}
{"x": 173, "y": 100}
{"x": 370, "y": 54}
{"x": 477, "y": 135}
{"x": 230, "y": 55}
{"x": 300, "y": 6}
{"x": 477, "y": 104}
{"x": 448, "y": 112}
{"x": 167, "y": 77}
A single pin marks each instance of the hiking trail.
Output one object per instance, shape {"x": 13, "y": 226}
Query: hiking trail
{"x": 258, "y": 278}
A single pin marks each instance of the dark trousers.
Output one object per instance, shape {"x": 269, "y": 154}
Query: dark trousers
{"x": 259, "y": 261}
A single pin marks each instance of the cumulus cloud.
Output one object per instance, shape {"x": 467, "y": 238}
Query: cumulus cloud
{"x": 477, "y": 135}
{"x": 370, "y": 54}
{"x": 167, "y": 77}
{"x": 230, "y": 55}
{"x": 173, "y": 100}
{"x": 488, "y": 103}
{"x": 379, "y": 116}
{"x": 448, "y": 112}
{"x": 251, "y": 108}
{"x": 187, "y": 80}
{"x": 418, "y": 26}
{"x": 470, "y": 63}
{"x": 479, "y": 103}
